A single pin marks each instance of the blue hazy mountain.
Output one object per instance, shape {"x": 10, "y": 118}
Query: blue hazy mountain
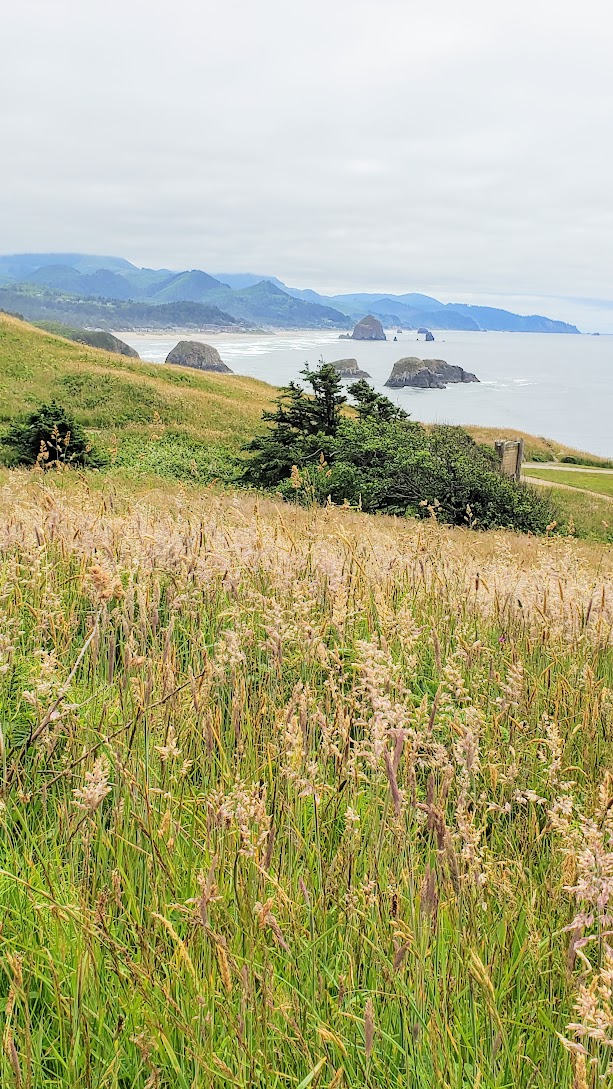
{"x": 249, "y": 298}
{"x": 19, "y": 266}
{"x": 488, "y": 317}
{"x": 267, "y": 303}
{"x": 413, "y": 300}
{"x": 238, "y": 280}
{"x": 101, "y": 284}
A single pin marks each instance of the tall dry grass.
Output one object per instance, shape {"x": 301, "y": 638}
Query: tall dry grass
{"x": 300, "y": 798}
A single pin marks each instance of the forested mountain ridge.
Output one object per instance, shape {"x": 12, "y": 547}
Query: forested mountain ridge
{"x": 59, "y": 286}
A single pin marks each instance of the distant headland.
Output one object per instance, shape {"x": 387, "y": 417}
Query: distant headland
{"x": 96, "y": 292}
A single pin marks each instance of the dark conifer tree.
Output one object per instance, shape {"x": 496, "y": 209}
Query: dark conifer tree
{"x": 373, "y": 405}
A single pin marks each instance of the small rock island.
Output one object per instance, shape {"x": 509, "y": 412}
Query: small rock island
{"x": 203, "y": 357}
{"x": 369, "y": 328}
{"x": 348, "y": 368}
{"x": 427, "y": 374}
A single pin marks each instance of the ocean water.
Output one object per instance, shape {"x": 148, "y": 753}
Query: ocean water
{"x": 556, "y": 385}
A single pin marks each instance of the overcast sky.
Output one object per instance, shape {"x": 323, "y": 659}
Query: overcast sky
{"x": 463, "y": 150}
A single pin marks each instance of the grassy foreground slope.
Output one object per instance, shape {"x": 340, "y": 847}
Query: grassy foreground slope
{"x": 298, "y": 798}
{"x": 153, "y": 415}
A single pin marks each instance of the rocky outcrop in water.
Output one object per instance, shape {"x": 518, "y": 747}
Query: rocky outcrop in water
{"x": 203, "y": 357}
{"x": 369, "y": 328}
{"x": 427, "y": 374}
{"x": 348, "y": 368}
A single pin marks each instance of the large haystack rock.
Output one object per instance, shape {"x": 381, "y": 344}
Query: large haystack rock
{"x": 369, "y": 328}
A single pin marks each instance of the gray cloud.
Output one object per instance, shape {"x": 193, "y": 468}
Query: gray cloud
{"x": 458, "y": 149}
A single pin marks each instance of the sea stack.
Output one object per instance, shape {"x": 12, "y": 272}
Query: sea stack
{"x": 348, "y": 368}
{"x": 427, "y": 374}
{"x": 369, "y": 328}
{"x": 203, "y": 357}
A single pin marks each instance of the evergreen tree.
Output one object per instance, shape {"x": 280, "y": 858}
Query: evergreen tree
{"x": 328, "y": 397}
{"x": 383, "y": 461}
{"x": 49, "y": 436}
{"x": 302, "y": 427}
{"x": 373, "y": 405}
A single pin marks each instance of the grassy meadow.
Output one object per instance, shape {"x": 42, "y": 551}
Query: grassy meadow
{"x": 582, "y": 503}
{"x": 591, "y": 480}
{"x": 299, "y": 798}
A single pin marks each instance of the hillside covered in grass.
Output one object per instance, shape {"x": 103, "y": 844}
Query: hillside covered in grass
{"x": 153, "y": 417}
{"x": 299, "y": 798}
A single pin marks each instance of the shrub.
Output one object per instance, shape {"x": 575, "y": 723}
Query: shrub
{"x": 402, "y": 469}
{"x": 382, "y": 461}
{"x": 49, "y": 436}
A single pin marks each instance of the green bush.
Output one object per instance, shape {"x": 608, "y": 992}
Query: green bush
{"x": 382, "y": 461}
{"x": 400, "y": 468}
{"x": 49, "y": 436}
{"x": 592, "y": 463}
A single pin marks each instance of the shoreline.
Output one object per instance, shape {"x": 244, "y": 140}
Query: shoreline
{"x": 240, "y": 334}
{"x": 189, "y": 333}
{"x": 527, "y": 380}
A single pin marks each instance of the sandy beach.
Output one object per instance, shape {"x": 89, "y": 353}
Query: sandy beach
{"x": 142, "y": 335}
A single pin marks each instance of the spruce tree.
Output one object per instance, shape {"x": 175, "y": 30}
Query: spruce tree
{"x": 302, "y": 428}
{"x": 373, "y": 405}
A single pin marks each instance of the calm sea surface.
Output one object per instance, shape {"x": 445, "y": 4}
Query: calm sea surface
{"x": 556, "y": 385}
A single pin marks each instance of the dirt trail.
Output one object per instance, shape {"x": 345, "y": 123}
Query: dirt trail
{"x": 567, "y": 487}
{"x": 562, "y": 468}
